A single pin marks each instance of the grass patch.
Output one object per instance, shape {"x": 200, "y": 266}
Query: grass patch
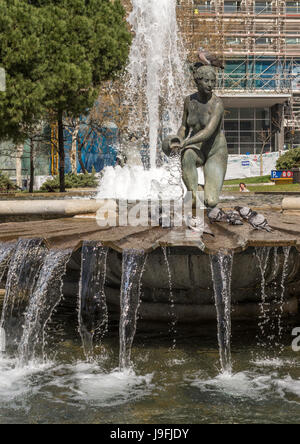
{"x": 249, "y": 180}
{"x": 268, "y": 189}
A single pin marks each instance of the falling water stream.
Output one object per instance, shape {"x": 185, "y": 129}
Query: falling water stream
{"x": 271, "y": 313}
{"x": 221, "y": 266}
{"x": 6, "y": 251}
{"x": 45, "y": 297}
{"x": 25, "y": 266}
{"x": 93, "y": 316}
{"x": 132, "y": 271}
{"x": 173, "y": 318}
{"x": 157, "y": 82}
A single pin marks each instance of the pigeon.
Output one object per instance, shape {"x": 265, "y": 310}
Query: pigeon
{"x": 234, "y": 218}
{"x": 244, "y": 212}
{"x": 208, "y": 59}
{"x": 217, "y": 215}
{"x": 197, "y": 224}
{"x": 259, "y": 222}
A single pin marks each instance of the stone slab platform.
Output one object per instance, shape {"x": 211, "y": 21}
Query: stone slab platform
{"x": 69, "y": 233}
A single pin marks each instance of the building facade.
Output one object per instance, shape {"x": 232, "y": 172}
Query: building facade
{"x": 259, "y": 42}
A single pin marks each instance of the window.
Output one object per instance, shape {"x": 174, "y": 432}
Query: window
{"x": 205, "y": 6}
{"x": 293, "y": 41}
{"x": 293, "y": 7}
{"x": 264, "y": 41}
{"x": 232, "y": 6}
{"x": 263, "y": 7}
{"x": 232, "y": 41}
{"x": 243, "y": 129}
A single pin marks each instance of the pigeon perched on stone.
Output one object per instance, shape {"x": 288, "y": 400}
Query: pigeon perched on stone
{"x": 244, "y": 212}
{"x": 197, "y": 224}
{"x": 234, "y": 218}
{"x": 208, "y": 59}
{"x": 259, "y": 222}
{"x": 217, "y": 215}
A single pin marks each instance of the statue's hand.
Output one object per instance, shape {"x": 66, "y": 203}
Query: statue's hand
{"x": 185, "y": 143}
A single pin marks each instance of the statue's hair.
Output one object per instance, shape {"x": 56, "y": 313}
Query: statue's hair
{"x": 199, "y": 72}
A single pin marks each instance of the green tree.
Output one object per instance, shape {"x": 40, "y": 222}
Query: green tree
{"x": 56, "y": 55}
{"x": 22, "y": 55}
{"x": 87, "y": 42}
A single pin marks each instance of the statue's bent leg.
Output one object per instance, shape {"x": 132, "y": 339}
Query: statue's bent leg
{"x": 190, "y": 162}
{"x": 214, "y": 172}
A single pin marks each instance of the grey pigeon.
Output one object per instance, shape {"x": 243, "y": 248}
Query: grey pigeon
{"x": 234, "y": 218}
{"x": 208, "y": 59}
{"x": 244, "y": 212}
{"x": 217, "y": 215}
{"x": 259, "y": 222}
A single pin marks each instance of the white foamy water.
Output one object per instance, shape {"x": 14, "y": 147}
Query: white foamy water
{"x": 80, "y": 381}
{"x": 108, "y": 389}
{"x": 135, "y": 183}
{"x": 16, "y": 381}
{"x": 251, "y": 385}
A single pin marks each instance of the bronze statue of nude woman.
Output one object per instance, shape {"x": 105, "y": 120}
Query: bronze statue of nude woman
{"x": 201, "y": 140}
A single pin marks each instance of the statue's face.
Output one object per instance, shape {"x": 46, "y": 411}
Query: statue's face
{"x": 207, "y": 83}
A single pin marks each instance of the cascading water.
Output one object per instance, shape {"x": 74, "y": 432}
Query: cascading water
{"x": 263, "y": 255}
{"x": 157, "y": 82}
{"x": 270, "y": 323}
{"x": 285, "y": 270}
{"x": 25, "y": 265}
{"x": 93, "y": 315}
{"x": 221, "y": 267}
{"x": 6, "y": 251}
{"x": 46, "y": 296}
{"x": 171, "y": 299}
{"x": 132, "y": 271}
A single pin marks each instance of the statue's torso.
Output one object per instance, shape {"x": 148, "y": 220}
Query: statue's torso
{"x": 199, "y": 114}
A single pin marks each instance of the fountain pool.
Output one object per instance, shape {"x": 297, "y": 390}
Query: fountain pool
{"x": 165, "y": 386}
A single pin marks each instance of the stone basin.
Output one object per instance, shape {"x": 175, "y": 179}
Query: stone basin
{"x": 188, "y": 260}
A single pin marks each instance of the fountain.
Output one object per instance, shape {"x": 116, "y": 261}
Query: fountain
{"x": 162, "y": 275}
{"x": 157, "y": 80}
{"x": 46, "y": 295}
{"x": 132, "y": 270}
{"x": 24, "y": 269}
{"x": 221, "y": 265}
{"x": 93, "y": 316}
{"x": 156, "y": 83}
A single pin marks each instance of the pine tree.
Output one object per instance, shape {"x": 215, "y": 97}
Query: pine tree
{"x": 56, "y": 55}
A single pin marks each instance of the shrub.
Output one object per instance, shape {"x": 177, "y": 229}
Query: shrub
{"x": 6, "y": 184}
{"x": 289, "y": 160}
{"x": 72, "y": 181}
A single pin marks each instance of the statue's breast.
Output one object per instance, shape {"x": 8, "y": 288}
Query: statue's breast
{"x": 199, "y": 115}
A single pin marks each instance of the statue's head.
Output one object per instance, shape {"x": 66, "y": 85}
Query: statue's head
{"x": 205, "y": 78}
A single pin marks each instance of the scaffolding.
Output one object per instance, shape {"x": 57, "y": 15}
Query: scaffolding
{"x": 259, "y": 42}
